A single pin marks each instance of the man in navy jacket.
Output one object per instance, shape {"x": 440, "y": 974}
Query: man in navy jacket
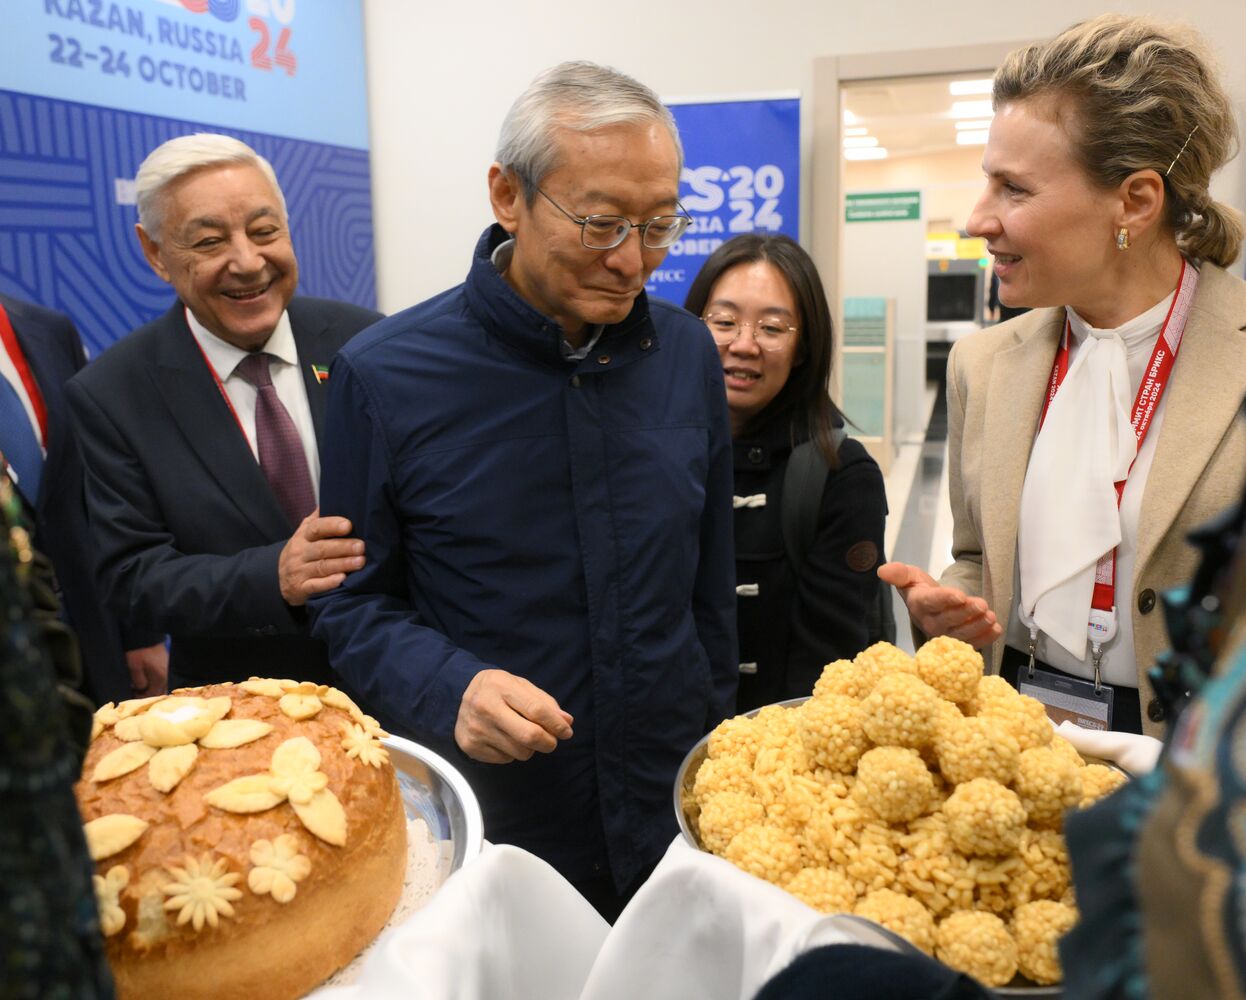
{"x": 539, "y": 462}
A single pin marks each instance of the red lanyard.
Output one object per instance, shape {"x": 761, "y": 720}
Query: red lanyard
{"x": 14, "y": 349}
{"x": 220, "y": 387}
{"x": 1154, "y": 381}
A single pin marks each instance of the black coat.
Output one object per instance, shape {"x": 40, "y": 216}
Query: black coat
{"x": 791, "y": 628}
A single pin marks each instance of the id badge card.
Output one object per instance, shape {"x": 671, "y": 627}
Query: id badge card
{"x": 1069, "y": 698}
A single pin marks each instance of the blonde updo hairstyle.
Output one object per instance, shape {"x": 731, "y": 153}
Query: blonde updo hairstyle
{"x": 1144, "y": 95}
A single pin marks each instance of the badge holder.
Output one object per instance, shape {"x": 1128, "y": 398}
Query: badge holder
{"x": 1088, "y": 704}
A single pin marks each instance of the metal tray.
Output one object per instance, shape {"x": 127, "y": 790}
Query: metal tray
{"x": 435, "y": 792}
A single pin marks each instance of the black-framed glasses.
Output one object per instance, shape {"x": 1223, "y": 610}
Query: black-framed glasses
{"x": 605, "y": 232}
{"x": 770, "y": 333}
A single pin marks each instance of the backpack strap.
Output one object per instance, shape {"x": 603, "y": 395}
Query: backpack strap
{"x": 804, "y": 481}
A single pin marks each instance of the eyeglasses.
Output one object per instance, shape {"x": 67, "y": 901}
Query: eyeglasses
{"x": 770, "y": 334}
{"x": 605, "y": 232}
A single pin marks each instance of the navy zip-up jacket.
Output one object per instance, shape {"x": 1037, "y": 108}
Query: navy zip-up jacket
{"x": 567, "y": 521}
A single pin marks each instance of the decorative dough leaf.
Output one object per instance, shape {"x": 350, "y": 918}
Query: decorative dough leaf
{"x": 136, "y": 705}
{"x": 107, "y": 714}
{"x": 299, "y": 706}
{"x": 112, "y": 834}
{"x": 160, "y": 732}
{"x": 265, "y": 687}
{"x": 230, "y": 733}
{"x": 123, "y": 760}
{"x": 249, "y": 794}
{"x": 295, "y": 756}
{"x": 127, "y": 729}
{"x": 340, "y": 699}
{"x": 179, "y": 721}
{"x": 170, "y": 766}
{"x": 324, "y": 816}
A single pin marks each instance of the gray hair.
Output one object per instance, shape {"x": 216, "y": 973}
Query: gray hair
{"x": 177, "y": 157}
{"x": 580, "y": 96}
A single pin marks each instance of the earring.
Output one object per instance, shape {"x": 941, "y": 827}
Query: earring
{"x": 1122, "y": 238}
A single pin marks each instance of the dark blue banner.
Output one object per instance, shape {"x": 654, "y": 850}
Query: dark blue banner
{"x": 67, "y": 212}
{"x": 741, "y": 175}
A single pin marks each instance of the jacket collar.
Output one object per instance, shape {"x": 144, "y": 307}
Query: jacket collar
{"x": 769, "y": 446}
{"x": 504, "y": 314}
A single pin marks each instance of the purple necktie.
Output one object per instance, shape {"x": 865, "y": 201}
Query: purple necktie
{"x": 277, "y": 440}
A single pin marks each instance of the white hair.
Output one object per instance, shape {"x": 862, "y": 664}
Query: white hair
{"x": 583, "y": 97}
{"x": 177, "y": 157}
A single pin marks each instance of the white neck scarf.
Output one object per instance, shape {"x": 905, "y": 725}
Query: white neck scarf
{"x": 1069, "y": 516}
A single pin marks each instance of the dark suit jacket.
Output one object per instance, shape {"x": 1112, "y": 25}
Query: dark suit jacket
{"x": 187, "y": 532}
{"x": 54, "y": 352}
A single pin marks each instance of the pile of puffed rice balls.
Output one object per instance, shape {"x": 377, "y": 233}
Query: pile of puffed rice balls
{"x": 915, "y": 792}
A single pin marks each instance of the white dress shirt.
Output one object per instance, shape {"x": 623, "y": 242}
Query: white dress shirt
{"x": 287, "y": 380}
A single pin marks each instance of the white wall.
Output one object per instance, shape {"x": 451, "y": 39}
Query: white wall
{"x": 441, "y": 76}
{"x": 871, "y": 252}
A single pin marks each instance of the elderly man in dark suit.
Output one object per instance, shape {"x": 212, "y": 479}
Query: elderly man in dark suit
{"x": 39, "y": 352}
{"x": 200, "y": 430}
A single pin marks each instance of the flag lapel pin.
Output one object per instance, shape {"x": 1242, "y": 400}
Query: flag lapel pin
{"x": 321, "y": 372}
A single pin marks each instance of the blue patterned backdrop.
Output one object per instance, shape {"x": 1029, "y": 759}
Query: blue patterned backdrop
{"x": 67, "y": 243}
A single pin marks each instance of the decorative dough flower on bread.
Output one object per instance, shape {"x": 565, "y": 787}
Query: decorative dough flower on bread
{"x": 278, "y": 867}
{"x": 202, "y": 891}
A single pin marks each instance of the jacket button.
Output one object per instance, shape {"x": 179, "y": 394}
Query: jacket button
{"x": 603, "y": 359}
{"x": 1154, "y": 710}
{"x": 646, "y": 343}
{"x": 575, "y": 381}
{"x": 755, "y": 455}
{"x": 1146, "y": 601}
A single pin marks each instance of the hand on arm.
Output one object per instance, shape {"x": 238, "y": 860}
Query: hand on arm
{"x": 503, "y": 718}
{"x": 149, "y": 670}
{"x": 317, "y": 558}
{"x": 940, "y": 610}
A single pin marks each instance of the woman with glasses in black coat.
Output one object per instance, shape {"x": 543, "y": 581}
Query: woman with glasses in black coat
{"x": 762, "y": 299}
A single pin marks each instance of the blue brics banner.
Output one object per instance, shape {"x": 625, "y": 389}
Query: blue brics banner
{"x": 741, "y": 175}
{"x": 89, "y": 87}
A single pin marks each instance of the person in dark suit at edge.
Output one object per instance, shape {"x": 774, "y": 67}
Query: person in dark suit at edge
{"x": 40, "y": 350}
{"x": 200, "y": 430}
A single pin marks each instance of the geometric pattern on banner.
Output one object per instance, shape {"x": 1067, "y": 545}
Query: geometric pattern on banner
{"x": 67, "y": 225}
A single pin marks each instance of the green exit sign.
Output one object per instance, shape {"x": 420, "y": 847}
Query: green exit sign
{"x": 883, "y": 206}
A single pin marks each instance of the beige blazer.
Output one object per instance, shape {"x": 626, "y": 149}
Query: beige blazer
{"x": 996, "y": 381}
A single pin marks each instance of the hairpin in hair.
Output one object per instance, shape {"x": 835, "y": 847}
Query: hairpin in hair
{"x": 1180, "y": 151}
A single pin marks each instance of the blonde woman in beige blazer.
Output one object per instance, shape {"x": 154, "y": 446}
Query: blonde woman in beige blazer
{"x": 1097, "y": 212}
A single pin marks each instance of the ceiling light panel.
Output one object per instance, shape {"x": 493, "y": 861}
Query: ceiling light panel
{"x": 866, "y": 153}
{"x": 965, "y": 88}
{"x": 971, "y": 109}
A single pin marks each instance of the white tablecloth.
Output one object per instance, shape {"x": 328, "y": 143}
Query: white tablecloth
{"x": 507, "y": 925}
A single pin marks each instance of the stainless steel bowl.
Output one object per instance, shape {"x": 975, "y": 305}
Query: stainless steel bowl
{"x": 1020, "y": 988}
{"x": 435, "y": 792}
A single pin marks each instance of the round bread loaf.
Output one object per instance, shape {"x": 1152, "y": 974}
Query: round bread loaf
{"x": 249, "y": 839}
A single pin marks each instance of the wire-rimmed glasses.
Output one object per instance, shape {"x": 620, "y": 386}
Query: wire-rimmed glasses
{"x": 605, "y": 232}
{"x": 770, "y": 333}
